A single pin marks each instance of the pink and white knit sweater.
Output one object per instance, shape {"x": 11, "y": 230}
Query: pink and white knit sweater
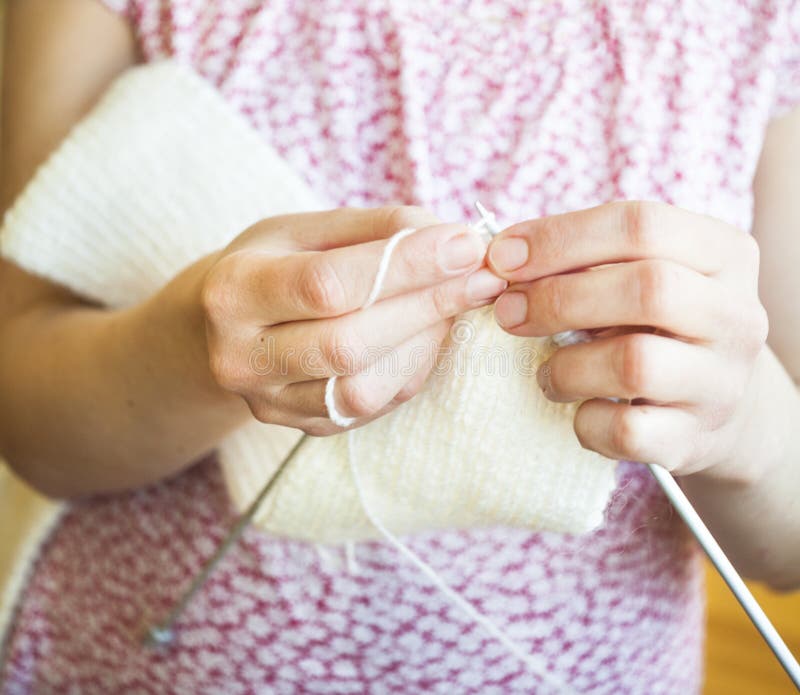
{"x": 535, "y": 108}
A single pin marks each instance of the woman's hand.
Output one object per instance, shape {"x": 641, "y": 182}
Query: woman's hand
{"x": 283, "y": 308}
{"x": 671, "y": 299}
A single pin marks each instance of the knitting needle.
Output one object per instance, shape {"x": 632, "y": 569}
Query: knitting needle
{"x": 163, "y": 634}
{"x": 700, "y": 531}
{"x": 727, "y": 571}
{"x": 488, "y": 219}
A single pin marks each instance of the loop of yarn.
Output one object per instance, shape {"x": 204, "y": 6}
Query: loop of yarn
{"x": 453, "y": 596}
{"x": 377, "y": 284}
{"x": 330, "y": 403}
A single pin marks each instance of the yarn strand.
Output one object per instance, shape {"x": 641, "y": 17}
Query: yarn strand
{"x": 330, "y": 404}
{"x": 377, "y": 284}
{"x": 453, "y": 596}
{"x": 487, "y": 224}
{"x": 383, "y": 266}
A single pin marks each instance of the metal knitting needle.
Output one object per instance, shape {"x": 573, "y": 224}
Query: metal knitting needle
{"x": 705, "y": 538}
{"x": 488, "y": 219}
{"x": 728, "y": 572}
{"x": 163, "y": 634}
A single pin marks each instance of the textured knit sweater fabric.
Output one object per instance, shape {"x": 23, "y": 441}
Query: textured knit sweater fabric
{"x": 535, "y": 108}
{"x": 479, "y": 446}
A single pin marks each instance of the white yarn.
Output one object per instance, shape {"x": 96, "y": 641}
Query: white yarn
{"x": 453, "y": 596}
{"x": 383, "y": 266}
{"x": 377, "y": 284}
{"x": 569, "y": 338}
{"x": 201, "y": 175}
{"x": 330, "y": 404}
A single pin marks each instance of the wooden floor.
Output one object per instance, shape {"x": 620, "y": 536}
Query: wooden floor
{"x": 738, "y": 661}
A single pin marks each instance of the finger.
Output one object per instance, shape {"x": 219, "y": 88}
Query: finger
{"x": 637, "y": 365}
{"x": 664, "y": 435}
{"x": 656, "y": 293}
{"x": 390, "y": 380}
{"x": 333, "y": 283}
{"x": 394, "y": 378}
{"x": 346, "y": 345}
{"x": 614, "y": 233}
{"x": 320, "y": 231}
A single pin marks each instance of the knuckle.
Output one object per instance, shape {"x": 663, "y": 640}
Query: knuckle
{"x": 552, "y": 303}
{"x": 262, "y": 411}
{"x": 216, "y": 299}
{"x": 654, "y": 283}
{"x": 625, "y": 436}
{"x": 402, "y": 216}
{"x": 748, "y": 327}
{"x": 322, "y": 289}
{"x": 226, "y": 371}
{"x": 751, "y": 252}
{"x": 406, "y": 263}
{"x": 633, "y": 366}
{"x": 551, "y": 238}
{"x": 638, "y": 221}
{"x": 340, "y": 349}
{"x": 441, "y": 303}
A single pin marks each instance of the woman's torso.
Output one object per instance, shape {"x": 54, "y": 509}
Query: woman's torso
{"x": 535, "y": 108}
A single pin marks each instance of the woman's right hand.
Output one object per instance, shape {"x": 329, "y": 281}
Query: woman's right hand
{"x": 283, "y": 311}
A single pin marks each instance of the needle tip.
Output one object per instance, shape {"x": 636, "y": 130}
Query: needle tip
{"x": 488, "y": 218}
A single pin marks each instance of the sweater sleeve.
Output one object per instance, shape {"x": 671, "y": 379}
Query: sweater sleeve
{"x": 787, "y": 83}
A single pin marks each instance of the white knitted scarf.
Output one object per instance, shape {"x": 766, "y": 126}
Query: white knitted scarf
{"x": 163, "y": 171}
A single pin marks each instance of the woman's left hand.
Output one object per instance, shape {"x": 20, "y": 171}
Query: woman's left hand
{"x": 671, "y": 298}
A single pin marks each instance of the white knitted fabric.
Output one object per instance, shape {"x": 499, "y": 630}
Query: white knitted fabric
{"x": 163, "y": 171}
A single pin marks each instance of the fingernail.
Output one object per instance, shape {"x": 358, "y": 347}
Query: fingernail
{"x": 484, "y": 285}
{"x": 511, "y": 309}
{"x": 508, "y": 254}
{"x": 462, "y": 251}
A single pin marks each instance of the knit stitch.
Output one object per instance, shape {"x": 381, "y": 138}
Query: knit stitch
{"x": 534, "y": 108}
{"x": 480, "y": 445}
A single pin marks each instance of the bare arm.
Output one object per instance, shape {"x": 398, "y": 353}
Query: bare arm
{"x": 703, "y": 395}
{"x": 79, "y": 384}
{"x": 759, "y": 523}
{"x": 98, "y": 400}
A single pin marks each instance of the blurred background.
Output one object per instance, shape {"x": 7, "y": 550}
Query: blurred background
{"x": 737, "y": 660}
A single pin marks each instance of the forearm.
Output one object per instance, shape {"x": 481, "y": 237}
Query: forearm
{"x": 97, "y": 400}
{"x": 757, "y": 519}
